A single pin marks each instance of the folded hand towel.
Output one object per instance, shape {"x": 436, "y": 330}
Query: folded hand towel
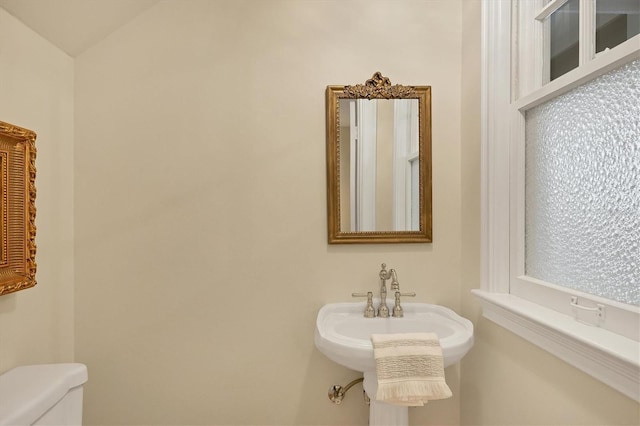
{"x": 410, "y": 368}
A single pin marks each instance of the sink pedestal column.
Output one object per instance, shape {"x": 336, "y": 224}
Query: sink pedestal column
{"x": 381, "y": 413}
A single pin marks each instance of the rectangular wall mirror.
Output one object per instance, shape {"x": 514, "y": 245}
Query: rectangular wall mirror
{"x": 379, "y": 162}
{"x": 17, "y": 208}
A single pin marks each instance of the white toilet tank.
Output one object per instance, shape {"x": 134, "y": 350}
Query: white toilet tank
{"x": 48, "y": 394}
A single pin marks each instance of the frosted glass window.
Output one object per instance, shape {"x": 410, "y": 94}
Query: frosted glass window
{"x": 582, "y": 187}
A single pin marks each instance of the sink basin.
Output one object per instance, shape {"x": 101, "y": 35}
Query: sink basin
{"x": 343, "y": 333}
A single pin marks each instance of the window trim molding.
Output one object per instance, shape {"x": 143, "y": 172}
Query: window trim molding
{"x": 577, "y": 344}
{"x": 610, "y": 358}
{"x": 494, "y": 181}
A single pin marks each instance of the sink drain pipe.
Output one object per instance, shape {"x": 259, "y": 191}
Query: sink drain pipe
{"x": 337, "y": 392}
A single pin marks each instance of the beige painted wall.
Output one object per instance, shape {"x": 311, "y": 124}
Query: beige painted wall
{"x": 36, "y": 92}
{"x": 200, "y": 216}
{"x": 201, "y": 245}
{"x": 505, "y": 379}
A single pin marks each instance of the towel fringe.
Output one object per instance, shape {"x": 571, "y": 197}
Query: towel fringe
{"x": 413, "y": 393}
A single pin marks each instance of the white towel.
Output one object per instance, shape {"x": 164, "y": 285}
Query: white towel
{"x": 410, "y": 368}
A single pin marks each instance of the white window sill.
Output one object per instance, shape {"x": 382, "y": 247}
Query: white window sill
{"x": 609, "y": 357}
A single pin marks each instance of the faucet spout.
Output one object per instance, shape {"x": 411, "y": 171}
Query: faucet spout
{"x": 395, "y": 285}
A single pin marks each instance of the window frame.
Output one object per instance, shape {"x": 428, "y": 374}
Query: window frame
{"x": 512, "y": 83}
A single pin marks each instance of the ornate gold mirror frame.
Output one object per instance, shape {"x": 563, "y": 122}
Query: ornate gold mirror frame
{"x": 340, "y": 177}
{"x": 17, "y": 208}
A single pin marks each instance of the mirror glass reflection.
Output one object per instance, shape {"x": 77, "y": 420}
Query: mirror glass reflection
{"x": 379, "y": 165}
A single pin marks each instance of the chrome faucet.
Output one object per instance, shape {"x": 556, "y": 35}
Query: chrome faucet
{"x": 383, "y": 310}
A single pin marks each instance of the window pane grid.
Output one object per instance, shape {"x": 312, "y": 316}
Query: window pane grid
{"x": 564, "y": 39}
{"x": 616, "y": 21}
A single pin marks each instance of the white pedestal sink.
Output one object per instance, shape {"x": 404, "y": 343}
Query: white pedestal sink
{"x": 343, "y": 334}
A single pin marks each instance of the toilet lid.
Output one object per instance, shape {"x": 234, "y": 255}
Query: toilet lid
{"x": 27, "y": 392}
